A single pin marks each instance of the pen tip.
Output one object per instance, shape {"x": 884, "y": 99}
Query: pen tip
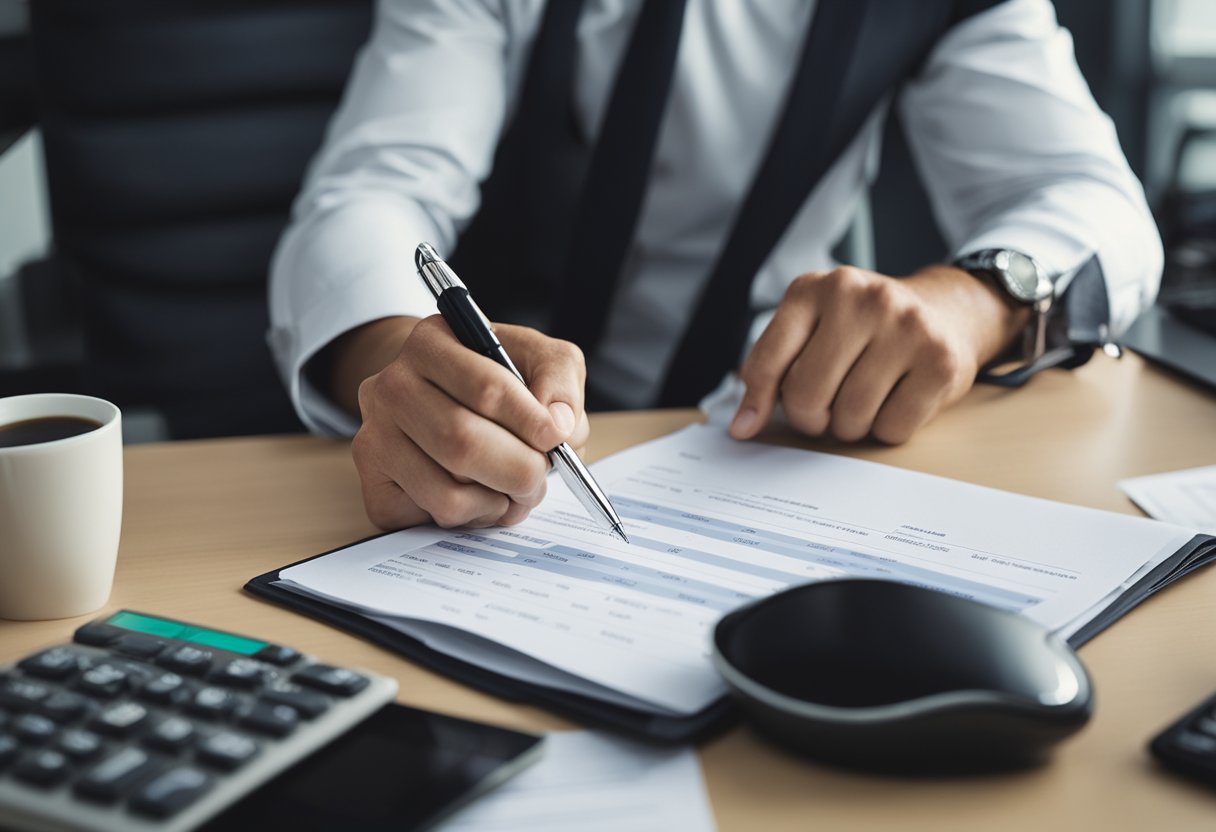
{"x": 425, "y": 253}
{"x": 620, "y": 532}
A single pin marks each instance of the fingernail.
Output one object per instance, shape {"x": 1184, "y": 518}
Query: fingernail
{"x": 563, "y": 417}
{"x": 744, "y": 424}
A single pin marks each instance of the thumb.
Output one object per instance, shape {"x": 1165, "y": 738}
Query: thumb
{"x": 555, "y": 373}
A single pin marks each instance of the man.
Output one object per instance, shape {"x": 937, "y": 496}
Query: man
{"x": 729, "y": 143}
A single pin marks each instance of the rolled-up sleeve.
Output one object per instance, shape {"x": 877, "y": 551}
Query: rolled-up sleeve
{"x": 401, "y": 163}
{"x": 1016, "y": 154}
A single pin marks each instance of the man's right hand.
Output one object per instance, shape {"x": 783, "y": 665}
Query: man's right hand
{"x": 449, "y": 435}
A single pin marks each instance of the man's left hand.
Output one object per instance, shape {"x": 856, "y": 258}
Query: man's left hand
{"x": 854, "y": 353}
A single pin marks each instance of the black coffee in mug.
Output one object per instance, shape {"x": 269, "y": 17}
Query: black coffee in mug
{"x": 45, "y": 429}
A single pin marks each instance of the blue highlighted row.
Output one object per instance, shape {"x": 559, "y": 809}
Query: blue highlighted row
{"x": 858, "y": 564}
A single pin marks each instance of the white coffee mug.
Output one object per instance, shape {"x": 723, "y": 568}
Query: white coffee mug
{"x": 60, "y": 509}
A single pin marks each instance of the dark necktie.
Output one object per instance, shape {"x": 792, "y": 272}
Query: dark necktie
{"x": 619, "y": 169}
{"x": 800, "y": 150}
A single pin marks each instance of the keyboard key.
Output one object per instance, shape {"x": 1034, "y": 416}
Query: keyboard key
{"x": 140, "y": 647}
{"x": 34, "y": 728}
{"x": 213, "y": 703}
{"x": 1196, "y": 743}
{"x": 242, "y": 673}
{"x": 277, "y": 655}
{"x": 187, "y": 660}
{"x": 121, "y": 719}
{"x": 118, "y": 774}
{"x": 63, "y": 706}
{"x": 20, "y": 695}
{"x": 58, "y": 663}
{"x": 171, "y": 734}
{"x": 8, "y": 749}
{"x": 270, "y": 719}
{"x": 171, "y": 792}
{"x": 335, "y": 680}
{"x": 43, "y": 768}
{"x": 79, "y": 744}
{"x": 97, "y": 635}
{"x": 166, "y": 688}
{"x": 308, "y": 704}
{"x": 105, "y": 680}
{"x": 227, "y": 750}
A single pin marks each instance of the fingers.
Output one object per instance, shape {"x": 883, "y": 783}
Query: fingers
{"x": 453, "y": 437}
{"x": 859, "y": 354}
{"x": 468, "y": 445}
{"x": 766, "y": 365}
{"x": 556, "y": 374}
{"x": 403, "y": 487}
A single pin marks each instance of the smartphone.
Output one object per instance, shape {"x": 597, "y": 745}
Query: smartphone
{"x": 400, "y": 769}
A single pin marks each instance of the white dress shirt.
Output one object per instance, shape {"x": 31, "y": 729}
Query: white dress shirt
{"x": 1013, "y": 150}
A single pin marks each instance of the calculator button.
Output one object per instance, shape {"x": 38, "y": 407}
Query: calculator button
{"x": 104, "y": 680}
{"x": 171, "y": 792}
{"x": 122, "y": 719}
{"x": 20, "y": 695}
{"x": 188, "y": 660}
{"x": 8, "y": 749}
{"x": 213, "y": 703}
{"x": 43, "y": 768}
{"x": 308, "y": 704}
{"x": 117, "y": 774}
{"x": 277, "y": 655}
{"x": 140, "y": 647}
{"x": 166, "y": 687}
{"x": 79, "y": 744}
{"x": 336, "y": 680}
{"x": 227, "y": 750}
{"x": 271, "y": 719}
{"x": 171, "y": 734}
{"x": 241, "y": 673}
{"x": 98, "y": 635}
{"x": 64, "y": 706}
{"x": 57, "y": 663}
{"x": 34, "y": 728}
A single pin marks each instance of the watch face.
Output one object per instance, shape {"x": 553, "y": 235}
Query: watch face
{"x": 1021, "y": 276}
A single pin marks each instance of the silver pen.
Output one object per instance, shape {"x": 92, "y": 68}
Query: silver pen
{"x": 473, "y": 330}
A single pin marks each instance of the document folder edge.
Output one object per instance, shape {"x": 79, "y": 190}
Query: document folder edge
{"x": 648, "y": 727}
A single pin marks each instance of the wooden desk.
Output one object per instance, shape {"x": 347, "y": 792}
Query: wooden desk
{"x": 202, "y": 517}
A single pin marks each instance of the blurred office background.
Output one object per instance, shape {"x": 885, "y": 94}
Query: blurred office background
{"x": 149, "y": 152}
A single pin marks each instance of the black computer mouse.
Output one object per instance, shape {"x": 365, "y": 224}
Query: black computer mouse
{"x": 900, "y": 678}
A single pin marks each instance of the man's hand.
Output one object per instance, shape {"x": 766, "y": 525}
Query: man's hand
{"x": 450, "y": 436}
{"x": 854, "y": 353}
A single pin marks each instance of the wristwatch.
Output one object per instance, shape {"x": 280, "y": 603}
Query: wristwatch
{"x": 1024, "y": 282}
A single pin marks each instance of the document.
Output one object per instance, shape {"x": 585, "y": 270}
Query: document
{"x": 1187, "y": 498}
{"x": 713, "y": 524}
{"x": 593, "y": 782}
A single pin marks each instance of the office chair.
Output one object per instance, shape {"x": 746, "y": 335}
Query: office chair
{"x": 176, "y": 135}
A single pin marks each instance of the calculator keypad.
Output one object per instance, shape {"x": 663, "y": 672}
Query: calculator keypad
{"x": 152, "y": 724}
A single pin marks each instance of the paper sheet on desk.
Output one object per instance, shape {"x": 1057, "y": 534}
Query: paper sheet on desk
{"x": 590, "y": 782}
{"x": 713, "y": 524}
{"x": 1187, "y": 498}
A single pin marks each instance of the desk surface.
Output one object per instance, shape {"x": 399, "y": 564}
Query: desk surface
{"x": 203, "y": 517}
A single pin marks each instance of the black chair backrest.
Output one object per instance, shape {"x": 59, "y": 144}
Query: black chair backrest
{"x": 176, "y": 134}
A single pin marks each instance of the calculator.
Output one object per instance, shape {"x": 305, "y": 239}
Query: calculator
{"x": 143, "y": 722}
